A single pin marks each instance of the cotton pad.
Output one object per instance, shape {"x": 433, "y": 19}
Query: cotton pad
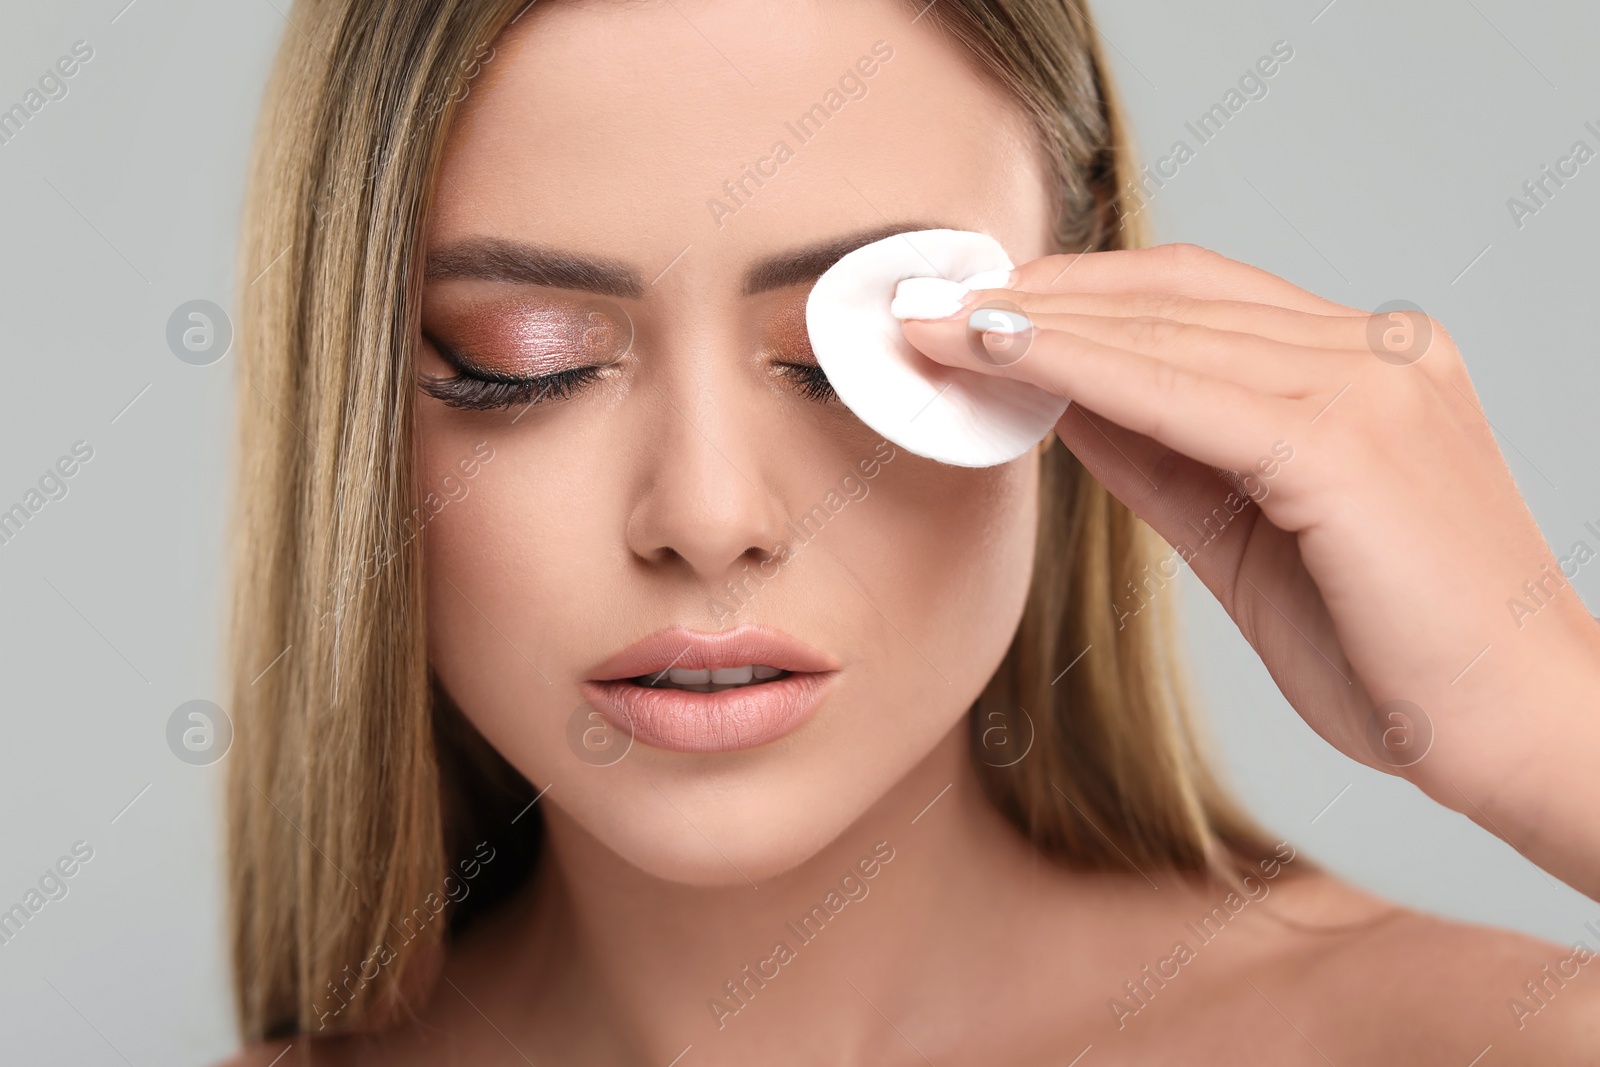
{"x": 960, "y": 417}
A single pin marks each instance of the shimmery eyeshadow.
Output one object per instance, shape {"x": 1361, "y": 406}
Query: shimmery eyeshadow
{"x": 530, "y": 340}
{"x": 787, "y": 336}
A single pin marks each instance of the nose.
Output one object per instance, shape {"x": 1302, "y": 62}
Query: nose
{"x": 707, "y": 502}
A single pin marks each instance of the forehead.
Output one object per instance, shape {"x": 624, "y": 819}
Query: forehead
{"x": 731, "y": 128}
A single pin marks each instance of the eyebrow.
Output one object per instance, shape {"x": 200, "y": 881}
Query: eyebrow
{"x": 496, "y": 260}
{"x": 500, "y": 260}
{"x": 807, "y": 264}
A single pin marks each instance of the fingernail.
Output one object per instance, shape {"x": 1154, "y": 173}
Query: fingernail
{"x": 999, "y": 320}
{"x": 928, "y": 298}
{"x": 990, "y": 279}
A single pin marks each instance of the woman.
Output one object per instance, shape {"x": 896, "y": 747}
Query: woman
{"x": 534, "y": 444}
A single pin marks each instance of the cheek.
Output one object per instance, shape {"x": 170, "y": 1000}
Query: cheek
{"x": 510, "y": 572}
{"x": 945, "y": 556}
{"x": 966, "y": 541}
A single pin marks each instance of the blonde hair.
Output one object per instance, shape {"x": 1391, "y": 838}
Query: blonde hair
{"x": 354, "y": 785}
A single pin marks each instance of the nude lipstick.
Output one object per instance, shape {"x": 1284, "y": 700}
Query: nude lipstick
{"x": 690, "y": 691}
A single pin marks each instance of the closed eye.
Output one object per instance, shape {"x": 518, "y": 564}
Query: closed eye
{"x": 478, "y": 389}
{"x": 475, "y": 388}
{"x": 481, "y": 394}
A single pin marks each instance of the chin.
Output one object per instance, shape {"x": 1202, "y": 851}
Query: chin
{"x": 748, "y": 816}
{"x": 764, "y": 821}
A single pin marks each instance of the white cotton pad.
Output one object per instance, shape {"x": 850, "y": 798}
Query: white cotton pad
{"x": 960, "y": 417}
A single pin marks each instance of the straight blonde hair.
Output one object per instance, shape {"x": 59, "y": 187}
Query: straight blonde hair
{"x": 355, "y": 786}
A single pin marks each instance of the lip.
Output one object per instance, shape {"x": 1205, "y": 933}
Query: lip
{"x": 681, "y": 720}
{"x": 696, "y": 650}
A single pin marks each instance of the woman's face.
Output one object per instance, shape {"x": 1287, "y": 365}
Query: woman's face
{"x": 650, "y": 189}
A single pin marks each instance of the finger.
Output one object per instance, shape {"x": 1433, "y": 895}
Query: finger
{"x": 1203, "y": 517}
{"x": 1215, "y": 421}
{"x": 1254, "y": 362}
{"x": 1332, "y": 332}
{"x": 1178, "y": 269}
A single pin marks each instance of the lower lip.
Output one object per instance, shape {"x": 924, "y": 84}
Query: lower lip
{"x": 681, "y": 720}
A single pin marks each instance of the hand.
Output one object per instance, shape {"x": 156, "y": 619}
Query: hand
{"x": 1367, "y": 536}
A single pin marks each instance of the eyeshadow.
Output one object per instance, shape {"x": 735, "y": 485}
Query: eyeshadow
{"x": 787, "y": 336}
{"x": 528, "y": 340}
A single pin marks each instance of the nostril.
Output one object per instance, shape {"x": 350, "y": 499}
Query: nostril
{"x": 702, "y": 503}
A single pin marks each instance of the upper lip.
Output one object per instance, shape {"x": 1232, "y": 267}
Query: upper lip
{"x": 686, "y": 649}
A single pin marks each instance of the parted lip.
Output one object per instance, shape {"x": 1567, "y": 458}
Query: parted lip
{"x": 679, "y": 646}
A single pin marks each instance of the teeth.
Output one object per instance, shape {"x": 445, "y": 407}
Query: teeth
{"x": 712, "y": 681}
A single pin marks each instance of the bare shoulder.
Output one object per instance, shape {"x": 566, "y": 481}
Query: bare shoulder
{"x": 1412, "y": 983}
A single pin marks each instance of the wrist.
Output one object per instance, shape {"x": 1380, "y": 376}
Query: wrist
{"x": 1519, "y": 755}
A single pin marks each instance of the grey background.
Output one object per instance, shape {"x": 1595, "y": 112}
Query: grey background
{"x": 1377, "y": 168}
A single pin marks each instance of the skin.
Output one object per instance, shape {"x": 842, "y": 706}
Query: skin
{"x": 1392, "y": 541}
{"x": 625, "y": 502}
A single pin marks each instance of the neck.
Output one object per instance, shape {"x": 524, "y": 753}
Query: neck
{"x": 910, "y": 895}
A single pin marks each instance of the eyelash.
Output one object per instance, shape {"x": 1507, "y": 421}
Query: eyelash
{"x": 476, "y": 391}
{"x": 812, "y": 381}
{"x": 479, "y": 390}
